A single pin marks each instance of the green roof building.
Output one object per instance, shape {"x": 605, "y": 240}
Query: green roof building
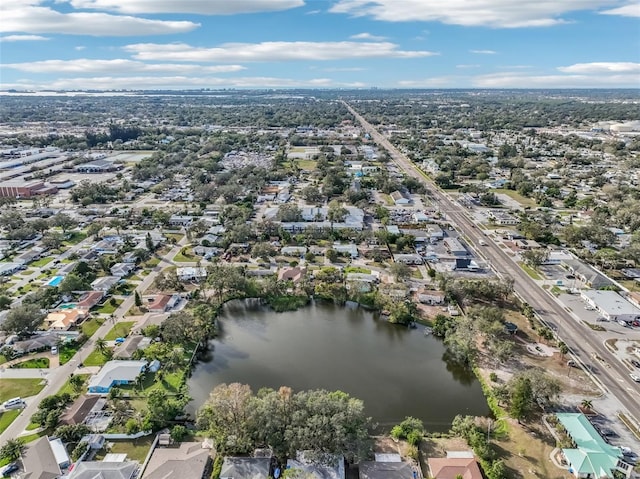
{"x": 593, "y": 457}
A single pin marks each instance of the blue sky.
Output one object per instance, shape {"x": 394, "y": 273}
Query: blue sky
{"x": 175, "y": 44}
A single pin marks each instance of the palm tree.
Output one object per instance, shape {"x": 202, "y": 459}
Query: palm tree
{"x": 564, "y": 349}
{"x": 101, "y": 345}
{"x": 586, "y": 404}
{"x": 11, "y": 450}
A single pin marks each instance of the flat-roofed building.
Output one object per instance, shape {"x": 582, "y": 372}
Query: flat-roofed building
{"x": 611, "y": 305}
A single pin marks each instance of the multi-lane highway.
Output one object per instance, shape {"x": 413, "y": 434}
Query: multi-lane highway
{"x": 583, "y": 342}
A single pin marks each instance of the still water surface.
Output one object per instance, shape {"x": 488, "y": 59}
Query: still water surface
{"x": 397, "y": 372}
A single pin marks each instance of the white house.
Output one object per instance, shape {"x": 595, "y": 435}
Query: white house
{"x": 190, "y": 273}
{"x": 611, "y": 305}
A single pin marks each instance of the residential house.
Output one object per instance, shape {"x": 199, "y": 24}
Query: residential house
{"x": 131, "y": 345}
{"x": 40, "y": 461}
{"x": 295, "y": 274}
{"x": 104, "y": 283}
{"x": 432, "y": 297}
{"x": 161, "y": 303}
{"x": 294, "y": 250}
{"x": 79, "y": 410}
{"x": 331, "y": 467}
{"x": 246, "y": 468}
{"x": 411, "y": 258}
{"x": 36, "y": 343}
{"x": 104, "y": 470}
{"x": 399, "y": 199}
{"x": 386, "y": 466}
{"x": 187, "y": 461}
{"x": 180, "y": 220}
{"x": 64, "y": 319}
{"x": 592, "y": 457}
{"x": 7, "y": 269}
{"x": 361, "y": 282}
{"x": 107, "y": 245}
{"x": 456, "y": 464}
{"x": 122, "y": 270}
{"x": 190, "y": 273}
{"x": 89, "y": 299}
{"x": 346, "y": 249}
{"x": 115, "y": 373}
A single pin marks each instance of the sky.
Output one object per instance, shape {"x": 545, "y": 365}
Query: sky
{"x": 194, "y": 44}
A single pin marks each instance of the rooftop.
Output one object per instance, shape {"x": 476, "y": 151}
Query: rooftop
{"x": 188, "y": 461}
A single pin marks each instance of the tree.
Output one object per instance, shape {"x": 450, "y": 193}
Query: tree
{"x": 5, "y": 302}
{"x": 63, "y": 221}
{"x": 94, "y": 229}
{"x": 289, "y": 213}
{"x": 72, "y": 433}
{"x": 535, "y": 257}
{"x": 72, "y": 282}
{"x": 151, "y": 247}
{"x": 178, "y": 433}
{"x": 564, "y": 349}
{"x": 401, "y": 271}
{"x": 137, "y": 299}
{"x": 311, "y": 194}
{"x": 23, "y": 319}
{"x": 332, "y": 255}
{"x": 76, "y": 383}
{"x": 52, "y": 240}
{"x": 521, "y": 402}
{"x": 586, "y": 404}
{"x": 11, "y": 450}
{"x": 101, "y": 345}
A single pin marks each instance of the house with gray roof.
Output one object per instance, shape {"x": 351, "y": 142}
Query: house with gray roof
{"x": 246, "y": 468}
{"x": 104, "y": 470}
{"x": 39, "y": 461}
{"x": 187, "y": 461}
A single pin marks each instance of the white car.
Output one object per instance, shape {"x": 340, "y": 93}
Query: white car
{"x": 635, "y": 377}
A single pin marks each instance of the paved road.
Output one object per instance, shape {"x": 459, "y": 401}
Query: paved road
{"x": 583, "y": 343}
{"x": 58, "y": 376}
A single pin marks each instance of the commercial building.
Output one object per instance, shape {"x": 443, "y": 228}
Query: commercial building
{"x": 611, "y": 305}
{"x": 23, "y": 189}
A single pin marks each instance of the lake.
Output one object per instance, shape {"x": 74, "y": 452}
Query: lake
{"x": 396, "y": 371}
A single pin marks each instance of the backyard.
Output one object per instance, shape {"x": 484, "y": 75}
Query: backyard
{"x": 97, "y": 358}
{"x": 136, "y": 450}
{"x": 110, "y": 306}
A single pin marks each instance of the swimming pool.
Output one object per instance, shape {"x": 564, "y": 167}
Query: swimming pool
{"x": 55, "y": 281}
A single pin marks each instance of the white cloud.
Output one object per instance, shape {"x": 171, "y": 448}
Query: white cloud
{"x": 91, "y": 66}
{"x": 22, "y": 38}
{"x": 468, "y": 66}
{"x": 201, "y": 7}
{"x": 79, "y": 48}
{"x": 29, "y": 17}
{"x": 483, "y": 52}
{"x": 490, "y": 13}
{"x": 173, "y": 82}
{"x": 270, "y": 51}
{"x": 433, "y": 82}
{"x": 602, "y": 67}
{"x": 518, "y": 80}
{"x": 343, "y": 69}
{"x": 631, "y": 10}
{"x": 367, "y": 36}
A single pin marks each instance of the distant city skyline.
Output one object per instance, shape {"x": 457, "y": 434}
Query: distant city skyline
{"x": 193, "y": 44}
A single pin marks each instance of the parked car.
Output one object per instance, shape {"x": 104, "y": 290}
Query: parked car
{"x": 635, "y": 377}
{"x": 8, "y": 469}
{"x": 54, "y": 349}
{"x": 636, "y": 363}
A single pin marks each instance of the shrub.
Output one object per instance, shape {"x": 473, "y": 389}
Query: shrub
{"x": 493, "y": 377}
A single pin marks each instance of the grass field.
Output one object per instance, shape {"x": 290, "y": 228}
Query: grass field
{"x": 11, "y": 388}
{"x": 67, "y": 388}
{"x": 516, "y": 196}
{"x": 6, "y": 418}
{"x": 42, "y": 262}
{"x": 108, "y": 308}
{"x": 35, "y": 363}
{"x": 530, "y": 271}
{"x": 307, "y": 164}
{"x": 67, "y": 351}
{"x": 151, "y": 262}
{"x": 75, "y": 238}
{"x": 96, "y": 358}
{"x": 90, "y": 326}
{"x": 187, "y": 257}
{"x": 120, "y": 330}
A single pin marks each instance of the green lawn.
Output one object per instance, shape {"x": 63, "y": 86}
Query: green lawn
{"x": 67, "y": 351}
{"x": 75, "y": 238}
{"x": 96, "y": 358}
{"x": 135, "y": 450}
{"x": 151, "y": 262}
{"x": 170, "y": 383}
{"x": 67, "y": 388}
{"x": 90, "y": 326}
{"x": 188, "y": 257}
{"x": 42, "y": 262}
{"x": 530, "y": 271}
{"x": 175, "y": 236}
{"x": 35, "y": 363}
{"x": 2, "y": 359}
{"x": 6, "y": 418}
{"x": 108, "y": 308}
{"x": 307, "y": 164}
{"x": 120, "y": 330}
{"x": 524, "y": 201}
{"x": 11, "y": 388}
{"x": 357, "y": 269}
{"x": 135, "y": 278}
